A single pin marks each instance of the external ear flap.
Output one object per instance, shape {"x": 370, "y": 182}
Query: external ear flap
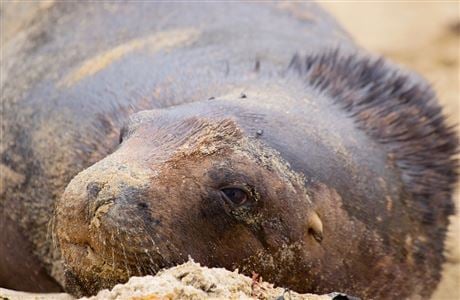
{"x": 399, "y": 110}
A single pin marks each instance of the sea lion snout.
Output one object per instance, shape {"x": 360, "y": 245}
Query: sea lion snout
{"x": 107, "y": 221}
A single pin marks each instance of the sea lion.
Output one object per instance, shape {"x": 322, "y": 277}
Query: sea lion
{"x": 255, "y": 136}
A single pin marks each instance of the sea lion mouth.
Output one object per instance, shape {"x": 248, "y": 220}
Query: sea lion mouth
{"x": 89, "y": 270}
{"x": 135, "y": 263}
{"x": 82, "y": 253}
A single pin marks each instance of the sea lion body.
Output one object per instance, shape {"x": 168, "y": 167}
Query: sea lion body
{"x": 233, "y": 114}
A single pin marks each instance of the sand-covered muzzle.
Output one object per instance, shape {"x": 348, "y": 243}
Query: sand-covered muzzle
{"x": 105, "y": 229}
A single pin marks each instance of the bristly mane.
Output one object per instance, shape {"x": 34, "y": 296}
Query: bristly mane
{"x": 400, "y": 111}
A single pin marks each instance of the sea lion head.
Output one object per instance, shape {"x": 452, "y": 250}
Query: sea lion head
{"x": 179, "y": 186}
{"x": 316, "y": 181}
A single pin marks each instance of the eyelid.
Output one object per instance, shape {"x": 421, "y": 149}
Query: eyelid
{"x": 249, "y": 195}
{"x": 232, "y": 203}
{"x": 236, "y": 186}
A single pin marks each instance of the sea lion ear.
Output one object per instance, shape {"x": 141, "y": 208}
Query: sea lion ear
{"x": 399, "y": 110}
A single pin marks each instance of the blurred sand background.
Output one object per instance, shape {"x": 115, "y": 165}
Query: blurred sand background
{"x": 422, "y": 35}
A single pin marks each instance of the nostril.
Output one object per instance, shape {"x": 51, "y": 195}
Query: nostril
{"x": 142, "y": 205}
{"x": 100, "y": 209}
{"x": 98, "y": 203}
{"x": 93, "y": 189}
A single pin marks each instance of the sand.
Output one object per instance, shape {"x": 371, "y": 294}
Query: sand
{"x": 188, "y": 281}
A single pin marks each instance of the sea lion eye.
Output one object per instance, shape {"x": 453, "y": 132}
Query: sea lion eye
{"x": 235, "y": 195}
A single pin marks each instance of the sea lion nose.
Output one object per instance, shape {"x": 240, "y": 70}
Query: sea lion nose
{"x": 92, "y": 192}
{"x": 98, "y": 202}
{"x": 93, "y": 189}
{"x": 110, "y": 199}
{"x": 103, "y": 191}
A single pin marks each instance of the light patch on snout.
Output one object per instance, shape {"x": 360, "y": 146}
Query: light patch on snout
{"x": 163, "y": 40}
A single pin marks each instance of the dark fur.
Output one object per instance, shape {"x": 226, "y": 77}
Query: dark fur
{"x": 401, "y": 112}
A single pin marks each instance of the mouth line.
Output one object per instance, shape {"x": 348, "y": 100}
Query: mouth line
{"x": 81, "y": 250}
{"x": 82, "y": 256}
